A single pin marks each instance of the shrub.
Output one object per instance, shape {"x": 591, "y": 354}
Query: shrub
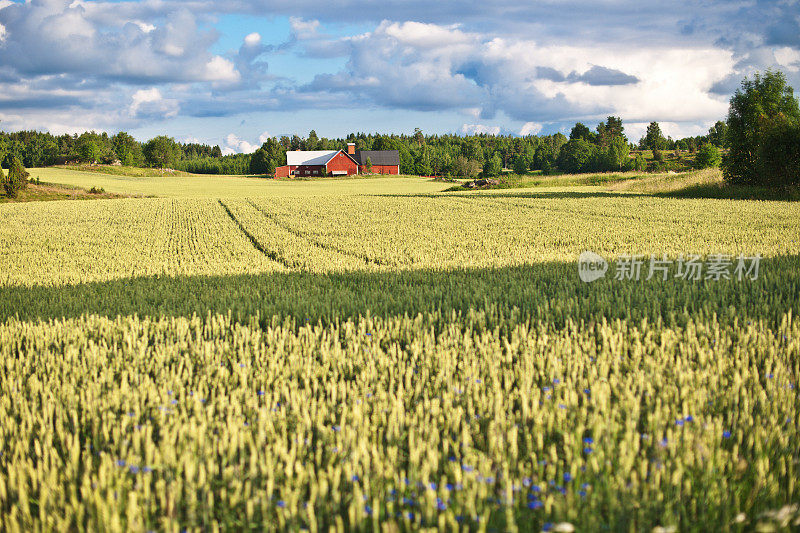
{"x": 658, "y": 155}
{"x": 96, "y": 190}
{"x": 708, "y": 157}
{"x": 16, "y": 180}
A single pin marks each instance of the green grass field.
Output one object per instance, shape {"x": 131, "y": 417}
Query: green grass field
{"x": 376, "y": 354}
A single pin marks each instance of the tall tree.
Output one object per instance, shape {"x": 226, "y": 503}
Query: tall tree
{"x": 758, "y": 105}
{"x": 653, "y": 139}
{"x": 718, "y": 133}
{"x": 610, "y": 129}
{"x": 161, "y": 151}
{"x": 582, "y": 131}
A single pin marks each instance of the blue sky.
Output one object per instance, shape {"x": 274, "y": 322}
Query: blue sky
{"x": 236, "y": 72}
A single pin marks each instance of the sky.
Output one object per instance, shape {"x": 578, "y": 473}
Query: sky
{"x": 237, "y": 72}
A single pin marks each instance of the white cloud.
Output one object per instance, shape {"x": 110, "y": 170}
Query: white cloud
{"x": 220, "y": 69}
{"x": 530, "y": 128}
{"x": 150, "y": 103}
{"x": 235, "y": 145}
{"x": 252, "y": 39}
{"x": 264, "y": 137}
{"x": 2, "y": 33}
{"x": 473, "y": 129}
{"x": 788, "y": 58}
{"x": 303, "y": 29}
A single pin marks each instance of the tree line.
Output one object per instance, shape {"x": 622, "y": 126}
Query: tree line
{"x": 760, "y": 140}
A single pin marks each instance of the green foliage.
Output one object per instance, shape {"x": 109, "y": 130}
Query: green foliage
{"x": 521, "y": 164}
{"x": 16, "y": 180}
{"x": 127, "y": 149}
{"x": 658, "y": 155}
{"x": 581, "y": 131}
{"x": 493, "y": 166}
{"x": 761, "y": 104}
{"x": 779, "y": 154}
{"x": 368, "y": 165}
{"x": 718, "y": 134}
{"x": 653, "y": 139}
{"x": 161, "y": 152}
{"x": 709, "y": 156}
{"x": 639, "y": 163}
{"x": 576, "y": 156}
{"x": 466, "y": 168}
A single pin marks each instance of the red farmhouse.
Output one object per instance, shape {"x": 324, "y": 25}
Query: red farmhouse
{"x": 338, "y": 163}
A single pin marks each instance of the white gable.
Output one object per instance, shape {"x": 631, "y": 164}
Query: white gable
{"x": 309, "y": 157}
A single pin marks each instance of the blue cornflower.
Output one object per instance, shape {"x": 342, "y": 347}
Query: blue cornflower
{"x": 587, "y": 391}
{"x": 261, "y": 393}
{"x": 582, "y": 493}
{"x": 134, "y": 469}
{"x": 679, "y": 422}
{"x": 567, "y": 477}
{"x": 147, "y": 469}
{"x": 120, "y": 463}
{"x": 556, "y": 381}
{"x": 432, "y": 486}
{"x": 478, "y": 381}
{"x": 337, "y": 428}
{"x": 545, "y": 389}
{"x": 449, "y": 486}
{"x": 726, "y": 434}
{"x": 588, "y": 440}
{"x": 281, "y": 504}
{"x": 664, "y": 442}
{"x": 467, "y": 468}
{"x": 536, "y": 488}
{"x": 547, "y": 526}
{"x": 368, "y": 509}
{"x": 354, "y": 478}
{"x": 441, "y": 505}
{"x": 585, "y": 486}
{"x": 526, "y": 482}
{"x": 535, "y": 504}
{"x": 452, "y": 459}
{"x": 588, "y": 450}
{"x": 689, "y": 418}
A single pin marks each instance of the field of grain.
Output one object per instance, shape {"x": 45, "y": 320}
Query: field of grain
{"x": 257, "y": 356}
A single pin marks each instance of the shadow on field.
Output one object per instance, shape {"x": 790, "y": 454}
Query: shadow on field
{"x": 551, "y": 292}
{"x": 734, "y": 192}
{"x": 510, "y": 193}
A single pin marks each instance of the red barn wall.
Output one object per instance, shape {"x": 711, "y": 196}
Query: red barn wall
{"x": 341, "y": 162}
{"x": 386, "y": 169}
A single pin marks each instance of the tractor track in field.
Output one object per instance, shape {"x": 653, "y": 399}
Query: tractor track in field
{"x": 257, "y": 245}
{"x": 313, "y": 241}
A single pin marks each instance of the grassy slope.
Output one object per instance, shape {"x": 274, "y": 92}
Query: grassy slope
{"x": 210, "y": 186}
{"x": 42, "y": 192}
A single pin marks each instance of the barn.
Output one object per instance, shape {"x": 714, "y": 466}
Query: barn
{"x": 310, "y": 163}
{"x": 383, "y": 161}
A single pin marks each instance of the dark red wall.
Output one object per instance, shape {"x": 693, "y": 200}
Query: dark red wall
{"x": 341, "y": 162}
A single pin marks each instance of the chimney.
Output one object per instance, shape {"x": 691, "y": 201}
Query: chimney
{"x": 351, "y": 148}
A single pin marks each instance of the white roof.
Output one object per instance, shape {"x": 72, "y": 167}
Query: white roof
{"x": 309, "y": 157}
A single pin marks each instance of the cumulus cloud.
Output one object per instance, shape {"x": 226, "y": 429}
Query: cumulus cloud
{"x": 530, "y": 128}
{"x": 150, "y": 103}
{"x": 538, "y": 65}
{"x": 236, "y": 145}
{"x": 474, "y": 129}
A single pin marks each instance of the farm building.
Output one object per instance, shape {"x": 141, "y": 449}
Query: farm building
{"x": 309, "y": 163}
